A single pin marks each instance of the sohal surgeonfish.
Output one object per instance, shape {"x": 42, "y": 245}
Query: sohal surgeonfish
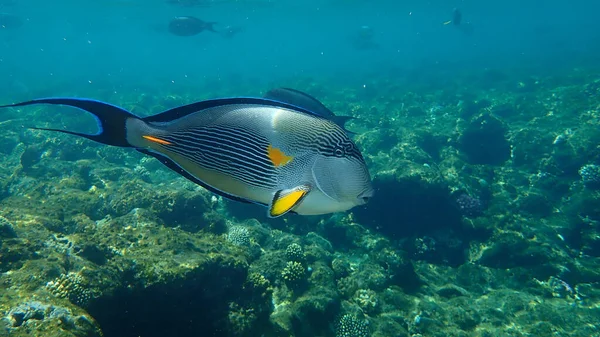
{"x": 256, "y": 150}
{"x": 306, "y": 101}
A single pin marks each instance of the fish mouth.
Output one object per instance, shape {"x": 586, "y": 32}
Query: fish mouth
{"x": 365, "y": 195}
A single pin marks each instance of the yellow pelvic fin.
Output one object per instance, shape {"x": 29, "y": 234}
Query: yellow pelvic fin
{"x": 278, "y": 157}
{"x": 285, "y": 200}
{"x": 156, "y": 140}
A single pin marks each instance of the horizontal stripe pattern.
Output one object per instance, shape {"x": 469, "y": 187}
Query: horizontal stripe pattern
{"x": 331, "y": 141}
{"x": 233, "y": 151}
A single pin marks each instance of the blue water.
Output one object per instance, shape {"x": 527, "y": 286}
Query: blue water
{"x": 481, "y": 141}
{"x": 94, "y": 45}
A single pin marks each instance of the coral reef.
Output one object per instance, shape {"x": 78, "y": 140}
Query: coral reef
{"x": 366, "y": 300}
{"x": 72, "y": 287}
{"x": 294, "y": 272}
{"x": 350, "y": 326}
{"x": 469, "y": 205}
{"x": 590, "y": 175}
{"x": 47, "y": 320}
{"x": 239, "y": 236}
{"x": 6, "y": 229}
{"x": 294, "y": 252}
{"x": 486, "y": 222}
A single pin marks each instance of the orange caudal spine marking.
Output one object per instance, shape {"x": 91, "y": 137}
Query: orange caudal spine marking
{"x": 278, "y": 158}
{"x": 157, "y": 140}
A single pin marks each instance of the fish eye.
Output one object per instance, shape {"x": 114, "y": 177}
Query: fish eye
{"x": 338, "y": 152}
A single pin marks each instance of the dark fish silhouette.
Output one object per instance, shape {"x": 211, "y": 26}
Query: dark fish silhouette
{"x": 456, "y": 17}
{"x": 9, "y": 21}
{"x": 189, "y": 26}
{"x": 364, "y": 39}
{"x": 466, "y": 27}
{"x": 306, "y": 101}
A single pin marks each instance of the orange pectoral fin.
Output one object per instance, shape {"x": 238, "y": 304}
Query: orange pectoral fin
{"x": 285, "y": 200}
{"x": 157, "y": 140}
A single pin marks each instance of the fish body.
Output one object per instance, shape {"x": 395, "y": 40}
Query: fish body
{"x": 456, "y": 17}
{"x": 189, "y": 26}
{"x": 306, "y": 101}
{"x": 247, "y": 149}
{"x": 465, "y": 27}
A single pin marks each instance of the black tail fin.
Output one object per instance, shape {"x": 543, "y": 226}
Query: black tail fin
{"x": 111, "y": 119}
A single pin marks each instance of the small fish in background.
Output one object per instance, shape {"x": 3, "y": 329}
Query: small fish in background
{"x": 253, "y": 150}
{"x": 9, "y": 21}
{"x": 230, "y": 31}
{"x": 189, "y": 26}
{"x": 456, "y": 21}
{"x": 364, "y": 39}
{"x": 456, "y": 17}
{"x": 306, "y": 101}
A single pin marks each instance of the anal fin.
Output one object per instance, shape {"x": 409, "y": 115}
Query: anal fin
{"x": 286, "y": 200}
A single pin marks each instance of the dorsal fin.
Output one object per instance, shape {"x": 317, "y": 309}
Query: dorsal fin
{"x": 305, "y": 101}
{"x": 184, "y": 110}
{"x": 299, "y": 99}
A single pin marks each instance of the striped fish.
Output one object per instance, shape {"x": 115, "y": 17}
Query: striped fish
{"x": 253, "y": 150}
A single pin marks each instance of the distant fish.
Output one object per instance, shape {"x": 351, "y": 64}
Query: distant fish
{"x": 189, "y": 26}
{"x": 306, "y": 101}
{"x": 466, "y": 28}
{"x": 9, "y": 21}
{"x": 230, "y": 31}
{"x": 247, "y": 149}
{"x": 456, "y": 18}
{"x": 364, "y": 39}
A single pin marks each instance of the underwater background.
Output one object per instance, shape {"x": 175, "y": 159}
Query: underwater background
{"x": 478, "y": 120}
